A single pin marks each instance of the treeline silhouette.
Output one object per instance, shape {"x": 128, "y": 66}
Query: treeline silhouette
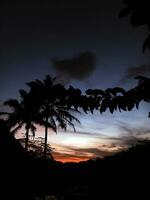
{"x": 124, "y": 175}
{"x": 24, "y": 176}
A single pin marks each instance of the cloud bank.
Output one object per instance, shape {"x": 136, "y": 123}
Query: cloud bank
{"x": 78, "y": 67}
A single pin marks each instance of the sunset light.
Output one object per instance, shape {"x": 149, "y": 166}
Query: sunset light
{"x": 74, "y": 99}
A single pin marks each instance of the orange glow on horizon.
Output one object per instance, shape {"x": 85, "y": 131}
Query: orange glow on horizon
{"x": 71, "y": 159}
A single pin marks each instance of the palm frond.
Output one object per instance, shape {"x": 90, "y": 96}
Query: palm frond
{"x": 5, "y": 113}
{"x": 23, "y": 93}
{"x": 13, "y": 104}
{"x": 14, "y": 131}
{"x": 66, "y": 114}
{"x": 53, "y": 123}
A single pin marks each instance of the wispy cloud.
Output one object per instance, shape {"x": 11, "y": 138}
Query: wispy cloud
{"x": 86, "y": 145}
{"x": 127, "y": 130}
{"x": 94, "y": 133}
{"x": 130, "y": 135}
{"x": 68, "y": 153}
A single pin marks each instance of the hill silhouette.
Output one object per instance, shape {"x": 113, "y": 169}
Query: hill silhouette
{"x": 125, "y": 173}
{"x": 23, "y": 176}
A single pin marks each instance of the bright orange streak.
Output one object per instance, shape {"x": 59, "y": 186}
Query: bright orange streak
{"x": 71, "y": 159}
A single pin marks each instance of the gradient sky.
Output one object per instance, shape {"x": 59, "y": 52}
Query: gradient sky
{"x": 32, "y": 34}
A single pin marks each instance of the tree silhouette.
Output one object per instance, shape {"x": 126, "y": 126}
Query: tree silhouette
{"x": 119, "y": 99}
{"x": 53, "y": 109}
{"x": 139, "y": 12}
{"x": 86, "y": 102}
{"x": 16, "y": 164}
{"x": 23, "y": 114}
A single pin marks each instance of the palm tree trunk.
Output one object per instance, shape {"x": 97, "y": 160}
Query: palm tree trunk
{"x": 27, "y": 139}
{"x": 46, "y": 134}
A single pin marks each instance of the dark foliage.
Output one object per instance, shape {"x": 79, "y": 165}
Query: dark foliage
{"x": 139, "y": 11}
{"x": 117, "y": 98}
{"x": 126, "y": 172}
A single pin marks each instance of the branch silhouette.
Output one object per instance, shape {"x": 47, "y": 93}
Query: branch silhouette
{"x": 119, "y": 99}
{"x": 139, "y": 16}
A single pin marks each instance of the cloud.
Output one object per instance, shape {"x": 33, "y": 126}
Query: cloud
{"x": 76, "y": 68}
{"x": 97, "y": 152}
{"x": 132, "y": 72}
{"x": 79, "y": 154}
{"x": 130, "y": 135}
{"x": 105, "y": 146}
{"x": 63, "y": 157}
{"x": 86, "y": 133}
{"x": 123, "y": 142}
{"x": 126, "y": 130}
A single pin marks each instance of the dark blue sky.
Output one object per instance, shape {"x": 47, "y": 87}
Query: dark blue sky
{"x": 31, "y": 34}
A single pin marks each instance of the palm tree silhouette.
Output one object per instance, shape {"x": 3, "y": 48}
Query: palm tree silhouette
{"x": 22, "y": 114}
{"x": 53, "y": 110}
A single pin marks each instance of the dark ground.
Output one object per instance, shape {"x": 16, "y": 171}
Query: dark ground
{"x": 125, "y": 175}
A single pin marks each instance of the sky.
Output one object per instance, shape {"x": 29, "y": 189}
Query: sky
{"x": 36, "y": 37}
